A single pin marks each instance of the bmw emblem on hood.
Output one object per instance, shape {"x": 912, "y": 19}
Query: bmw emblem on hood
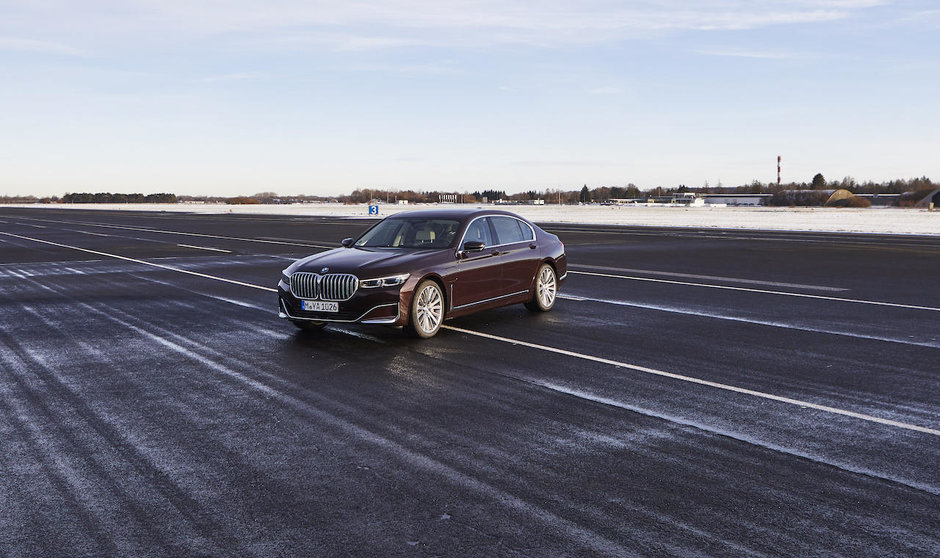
{"x": 324, "y": 270}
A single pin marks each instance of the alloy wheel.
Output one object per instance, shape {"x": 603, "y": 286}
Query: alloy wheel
{"x": 429, "y": 309}
{"x": 547, "y": 287}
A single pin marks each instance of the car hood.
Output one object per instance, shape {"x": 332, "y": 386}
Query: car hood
{"x": 363, "y": 262}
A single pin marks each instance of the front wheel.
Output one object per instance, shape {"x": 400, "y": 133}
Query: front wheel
{"x": 546, "y": 287}
{"x": 427, "y": 310}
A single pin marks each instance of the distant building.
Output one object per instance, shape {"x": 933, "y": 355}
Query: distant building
{"x": 687, "y": 199}
{"x": 880, "y": 199}
{"x": 930, "y": 201}
{"x": 737, "y": 199}
{"x": 626, "y": 201}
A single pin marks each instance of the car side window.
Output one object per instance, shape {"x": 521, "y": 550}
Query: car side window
{"x": 527, "y": 232}
{"x": 510, "y": 230}
{"x": 479, "y": 231}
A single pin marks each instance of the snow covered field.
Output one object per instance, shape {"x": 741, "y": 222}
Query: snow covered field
{"x": 872, "y": 220}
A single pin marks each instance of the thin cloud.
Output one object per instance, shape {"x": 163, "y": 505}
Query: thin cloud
{"x": 335, "y": 41}
{"x": 434, "y": 68}
{"x": 33, "y": 45}
{"x": 235, "y": 76}
{"x": 738, "y": 53}
{"x": 608, "y": 90}
{"x": 928, "y": 17}
{"x": 404, "y": 23}
{"x": 565, "y": 163}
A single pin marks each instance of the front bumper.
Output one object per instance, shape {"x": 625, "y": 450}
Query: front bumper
{"x": 368, "y": 306}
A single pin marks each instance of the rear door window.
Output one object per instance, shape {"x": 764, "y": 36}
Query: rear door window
{"x": 510, "y": 230}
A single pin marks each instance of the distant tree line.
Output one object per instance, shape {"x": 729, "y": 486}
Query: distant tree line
{"x": 812, "y": 193}
{"x": 28, "y": 199}
{"x": 818, "y": 191}
{"x": 107, "y": 197}
{"x": 815, "y": 192}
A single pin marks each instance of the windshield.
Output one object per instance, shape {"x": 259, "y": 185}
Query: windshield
{"x": 404, "y": 232}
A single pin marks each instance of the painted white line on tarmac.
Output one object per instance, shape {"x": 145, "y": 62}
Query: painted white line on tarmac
{"x": 709, "y": 278}
{"x": 690, "y": 312}
{"x": 838, "y": 237}
{"x": 761, "y": 291}
{"x": 213, "y": 297}
{"x": 698, "y": 381}
{"x": 93, "y": 233}
{"x": 143, "y": 262}
{"x": 555, "y": 350}
{"x": 204, "y": 248}
{"x": 200, "y": 235}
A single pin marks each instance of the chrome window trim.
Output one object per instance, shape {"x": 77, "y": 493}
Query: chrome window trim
{"x": 467, "y": 228}
{"x": 287, "y": 315}
{"x": 487, "y": 300}
{"x": 460, "y": 244}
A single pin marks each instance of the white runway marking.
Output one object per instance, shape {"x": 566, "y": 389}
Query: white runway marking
{"x": 573, "y": 354}
{"x": 838, "y": 237}
{"x": 699, "y": 381}
{"x": 157, "y": 231}
{"x": 710, "y": 278}
{"x": 94, "y": 233}
{"x": 747, "y": 439}
{"x": 239, "y": 303}
{"x": 143, "y": 262}
{"x": 690, "y": 312}
{"x": 213, "y": 297}
{"x": 761, "y": 291}
{"x": 204, "y": 248}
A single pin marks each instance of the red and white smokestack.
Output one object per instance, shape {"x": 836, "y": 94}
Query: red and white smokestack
{"x": 778, "y": 170}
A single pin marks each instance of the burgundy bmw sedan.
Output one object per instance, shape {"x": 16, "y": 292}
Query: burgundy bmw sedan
{"x": 419, "y": 268}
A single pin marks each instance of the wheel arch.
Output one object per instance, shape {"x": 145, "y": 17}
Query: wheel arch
{"x": 546, "y": 260}
{"x": 440, "y": 283}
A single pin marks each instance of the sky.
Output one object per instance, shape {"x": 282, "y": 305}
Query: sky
{"x": 306, "y": 97}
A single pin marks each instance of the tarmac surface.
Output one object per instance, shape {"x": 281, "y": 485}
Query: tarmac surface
{"x": 693, "y": 392}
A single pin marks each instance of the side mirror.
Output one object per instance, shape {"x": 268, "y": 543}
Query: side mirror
{"x": 347, "y": 242}
{"x": 473, "y": 246}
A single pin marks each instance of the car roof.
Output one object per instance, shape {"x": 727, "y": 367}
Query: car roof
{"x": 452, "y": 213}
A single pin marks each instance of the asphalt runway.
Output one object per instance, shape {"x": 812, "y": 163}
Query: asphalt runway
{"x": 694, "y": 392}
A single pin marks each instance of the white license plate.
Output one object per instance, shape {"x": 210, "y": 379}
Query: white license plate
{"x": 319, "y": 306}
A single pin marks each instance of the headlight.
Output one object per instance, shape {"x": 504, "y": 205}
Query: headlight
{"x": 390, "y": 281}
{"x": 285, "y": 277}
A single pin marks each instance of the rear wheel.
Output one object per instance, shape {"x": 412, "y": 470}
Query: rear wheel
{"x": 308, "y": 325}
{"x": 546, "y": 287}
{"x": 427, "y": 310}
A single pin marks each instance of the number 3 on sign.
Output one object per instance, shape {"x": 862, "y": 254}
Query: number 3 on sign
{"x": 373, "y": 210}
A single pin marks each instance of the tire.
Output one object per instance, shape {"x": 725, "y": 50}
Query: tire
{"x": 427, "y": 310}
{"x": 546, "y": 290}
{"x": 304, "y": 325}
